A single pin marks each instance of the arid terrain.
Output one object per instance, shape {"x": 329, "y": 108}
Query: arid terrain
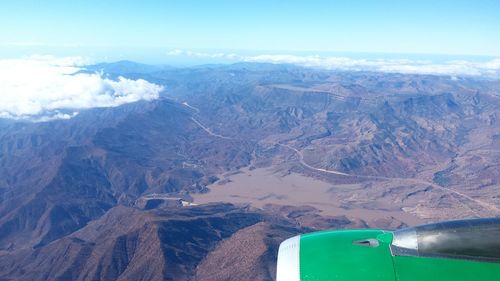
{"x": 263, "y": 186}
{"x": 206, "y": 181}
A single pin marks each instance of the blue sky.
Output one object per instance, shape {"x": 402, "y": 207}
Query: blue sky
{"x": 44, "y": 45}
{"x": 148, "y": 29}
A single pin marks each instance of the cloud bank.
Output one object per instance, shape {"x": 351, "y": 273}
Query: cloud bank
{"x": 42, "y": 88}
{"x": 454, "y": 68}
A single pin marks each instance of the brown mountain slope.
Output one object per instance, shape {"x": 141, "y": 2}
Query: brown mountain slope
{"x": 130, "y": 244}
{"x": 75, "y": 175}
{"x": 249, "y": 254}
{"x": 211, "y": 242}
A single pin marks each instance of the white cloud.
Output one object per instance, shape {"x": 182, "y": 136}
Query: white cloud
{"x": 452, "y": 68}
{"x": 188, "y": 53}
{"x": 42, "y": 88}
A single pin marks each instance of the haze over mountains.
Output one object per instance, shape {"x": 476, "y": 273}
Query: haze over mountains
{"x": 111, "y": 193}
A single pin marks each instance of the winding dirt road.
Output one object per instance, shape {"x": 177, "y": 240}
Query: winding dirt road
{"x": 299, "y": 153}
{"x": 483, "y": 204}
{"x": 206, "y": 129}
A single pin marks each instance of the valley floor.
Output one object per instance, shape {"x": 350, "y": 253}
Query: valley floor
{"x": 262, "y": 186}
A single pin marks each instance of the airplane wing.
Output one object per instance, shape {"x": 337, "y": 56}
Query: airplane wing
{"x": 465, "y": 250}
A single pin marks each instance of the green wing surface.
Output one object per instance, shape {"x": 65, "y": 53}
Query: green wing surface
{"x": 467, "y": 250}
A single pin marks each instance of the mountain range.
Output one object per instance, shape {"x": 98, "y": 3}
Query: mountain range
{"x": 123, "y": 193}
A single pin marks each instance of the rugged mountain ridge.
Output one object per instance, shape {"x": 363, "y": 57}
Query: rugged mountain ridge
{"x": 95, "y": 169}
{"x": 213, "y": 242}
